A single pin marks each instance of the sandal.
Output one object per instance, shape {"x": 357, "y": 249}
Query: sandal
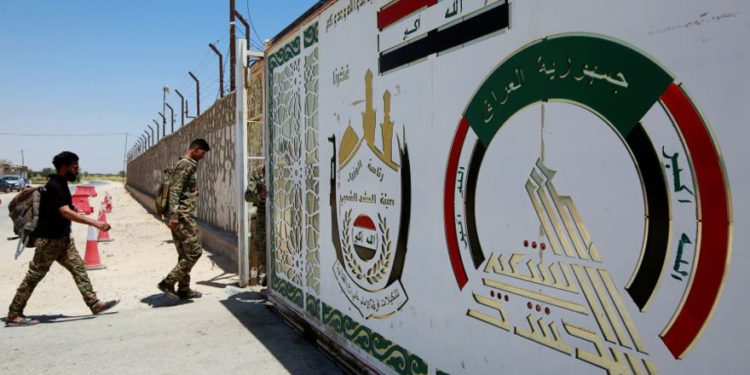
{"x": 23, "y": 322}
{"x": 189, "y": 294}
{"x": 168, "y": 290}
{"x": 102, "y": 307}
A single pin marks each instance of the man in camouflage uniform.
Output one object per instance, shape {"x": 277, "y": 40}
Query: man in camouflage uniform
{"x": 181, "y": 220}
{"x": 256, "y": 193}
{"x": 54, "y": 242}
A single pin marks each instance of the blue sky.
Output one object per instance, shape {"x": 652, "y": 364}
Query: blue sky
{"x": 98, "y": 67}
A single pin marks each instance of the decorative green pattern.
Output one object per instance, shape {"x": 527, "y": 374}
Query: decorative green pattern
{"x": 287, "y": 290}
{"x": 394, "y": 356}
{"x": 311, "y": 35}
{"x": 313, "y": 307}
{"x": 312, "y": 174}
{"x": 286, "y": 53}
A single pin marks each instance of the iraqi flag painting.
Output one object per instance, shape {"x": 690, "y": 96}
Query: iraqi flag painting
{"x": 365, "y": 237}
{"x": 411, "y": 31}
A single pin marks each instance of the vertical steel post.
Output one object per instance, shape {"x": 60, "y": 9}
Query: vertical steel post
{"x": 221, "y": 69}
{"x": 197, "y": 94}
{"x": 171, "y": 112}
{"x": 182, "y": 108}
{"x": 154, "y": 140}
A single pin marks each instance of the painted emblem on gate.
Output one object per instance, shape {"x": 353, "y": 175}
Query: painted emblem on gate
{"x": 560, "y": 278}
{"x": 370, "y": 207}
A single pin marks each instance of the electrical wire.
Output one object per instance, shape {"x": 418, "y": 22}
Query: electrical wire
{"x": 250, "y": 21}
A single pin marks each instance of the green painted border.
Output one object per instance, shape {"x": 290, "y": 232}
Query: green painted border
{"x": 287, "y": 290}
{"x": 313, "y": 306}
{"x": 311, "y": 35}
{"x": 394, "y": 356}
{"x": 286, "y": 53}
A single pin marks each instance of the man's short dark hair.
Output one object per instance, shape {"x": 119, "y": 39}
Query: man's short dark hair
{"x": 201, "y": 144}
{"x": 65, "y": 158}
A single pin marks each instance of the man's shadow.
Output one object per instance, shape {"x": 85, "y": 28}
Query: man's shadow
{"x": 60, "y": 318}
{"x": 160, "y": 300}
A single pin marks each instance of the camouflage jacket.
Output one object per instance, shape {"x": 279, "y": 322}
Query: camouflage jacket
{"x": 182, "y": 193}
{"x": 255, "y": 186}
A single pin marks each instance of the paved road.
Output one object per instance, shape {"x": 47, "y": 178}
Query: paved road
{"x": 234, "y": 335}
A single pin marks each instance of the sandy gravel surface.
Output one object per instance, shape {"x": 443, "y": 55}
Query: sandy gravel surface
{"x": 230, "y": 330}
{"x": 139, "y": 255}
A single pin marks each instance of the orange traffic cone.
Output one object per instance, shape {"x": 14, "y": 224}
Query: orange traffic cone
{"x": 92, "y": 252}
{"x": 103, "y": 236}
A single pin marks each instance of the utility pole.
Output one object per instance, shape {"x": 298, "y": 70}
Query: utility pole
{"x": 221, "y": 69}
{"x": 171, "y": 111}
{"x": 232, "y": 47}
{"x": 197, "y": 93}
{"x": 182, "y": 107}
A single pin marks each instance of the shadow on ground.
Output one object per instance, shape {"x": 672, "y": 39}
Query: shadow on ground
{"x": 220, "y": 281}
{"x": 160, "y": 300}
{"x": 60, "y": 318}
{"x": 290, "y": 349}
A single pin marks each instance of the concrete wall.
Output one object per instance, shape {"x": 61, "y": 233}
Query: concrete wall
{"x": 216, "y": 181}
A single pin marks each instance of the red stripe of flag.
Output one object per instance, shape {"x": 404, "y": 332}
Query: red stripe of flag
{"x": 399, "y": 9}
{"x": 451, "y": 237}
{"x": 714, "y": 249}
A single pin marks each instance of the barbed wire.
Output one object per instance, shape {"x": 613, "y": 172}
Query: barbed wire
{"x": 66, "y": 135}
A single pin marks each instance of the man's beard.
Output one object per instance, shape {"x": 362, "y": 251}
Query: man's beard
{"x": 71, "y": 177}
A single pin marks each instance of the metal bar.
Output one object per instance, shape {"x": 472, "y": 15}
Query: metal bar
{"x": 151, "y": 138}
{"x": 163, "y": 124}
{"x": 157, "y": 131}
{"x": 246, "y": 25}
{"x": 171, "y": 111}
{"x": 183, "y": 112}
{"x": 197, "y": 93}
{"x": 221, "y": 69}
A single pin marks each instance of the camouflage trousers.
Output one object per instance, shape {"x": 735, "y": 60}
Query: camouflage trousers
{"x": 187, "y": 240}
{"x": 62, "y": 250}
{"x": 258, "y": 243}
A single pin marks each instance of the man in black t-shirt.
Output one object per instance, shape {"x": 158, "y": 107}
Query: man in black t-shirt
{"x": 54, "y": 243}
